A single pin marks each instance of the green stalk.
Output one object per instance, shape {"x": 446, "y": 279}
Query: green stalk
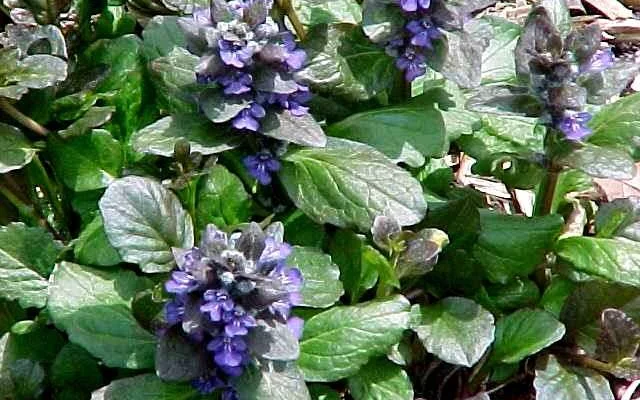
{"x": 42, "y": 178}
{"x": 26, "y": 212}
{"x": 22, "y": 119}
{"x": 287, "y": 7}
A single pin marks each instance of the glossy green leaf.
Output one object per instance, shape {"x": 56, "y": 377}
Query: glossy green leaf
{"x": 75, "y": 367}
{"x": 303, "y": 130}
{"x": 357, "y": 273}
{"x": 221, "y": 200}
{"x": 524, "y": 333}
{"x": 143, "y": 221}
{"x": 17, "y": 151}
{"x": 335, "y": 185}
{"x": 600, "y": 162}
{"x": 497, "y": 59}
{"x": 555, "y": 381}
{"x": 160, "y": 137}
{"x": 273, "y": 380}
{"x": 511, "y": 245}
{"x": 339, "y": 341}
{"x": 94, "y": 308}
{"x": 87, "y": 162}
{"x": 322, "y": 286}
{"x": 317, "y": 12}
{"x": 27, "y": 256}
{"x": 616, "y": 124}
{"x": 94, "y": 117}
{"x": 620, "y": 217}
{"x": 173, "y": 77}
{"x": 381, "y": 379}
{"x": 93, "y": 246}
{"x": 455, "y": 329}
{"x": 614, "y": 259}
{"x": 143, "y": 387}
{"x": 161, "y": 35}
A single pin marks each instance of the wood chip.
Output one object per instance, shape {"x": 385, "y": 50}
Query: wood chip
{"x": 576, "y": 6}
{"x": 611, "y": 9}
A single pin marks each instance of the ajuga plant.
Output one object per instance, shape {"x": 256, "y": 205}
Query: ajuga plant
{"x": 248, "y": 199}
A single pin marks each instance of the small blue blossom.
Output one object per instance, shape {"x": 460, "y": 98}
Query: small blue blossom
{"x": 574, "y": 125}
{"x": 217, "y": 303}
{"x": 237, "y": 322}
{"x": 208, "y": 385}
{"x": 261, "y": 166}
{"x": 228, "y": 351}
{"x": 236, "y": 82}
{"x": 413, "y": 63}
{"x": 248, "y": 118}
{"x": 236, "y": 54}
{"x": 600, "y": 61}
{"x": 174, "y": 310}
{"x": 414, "y": 5}
{"x": 181, "y": 283}
{"x": 423, "y": 32}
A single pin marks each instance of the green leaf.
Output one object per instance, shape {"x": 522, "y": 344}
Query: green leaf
{"x": 123, "y": 57}
{"x": 87, "y": 162}
{"x": 617, "y": 260}
{"x": 274, "y": 341}
{"x": 220, "y": 108}
{"x": 17, "y": 151}
{"x": 343, "y": 62}
{"x": 511, "y": 245}
{"x": 569, "y": 184}
{"x": 600, "y": 162}
{"x": 555, "y": 381}
{"x": 357, "y": 273}
{"x": 317, "y": 12}
{"x": 322, "y": 392}
{"x": 145, "y": 387}
{"x": 556, "y": 294}
{"x": 497, "y": 60}
{"x": 161, "y": 35}
{"x": 37, "y": 72}
{"x": 382, "y": 20}
{"x": 620, "y": 217}
{"x": 160, "y": 137}
{"x": 75, "y": 367}
{"x": 173, "y": 77}
{"x": 337, "y": 342}
{"x": 302, "y": 130}
{"x": 302, "y": 231}
{"x": 559, "y": 13}
{"x": 455, "y": 329}
{"x": 322, "y": 287}
{"x": 517, "y": 293}
{"x": 617, "y": 124}
{"x": 93, "y": 118}
{"x": 391, "y": 129}
{"x": 335, "y": 185}
{"x": 462, "y": 62}
{"x": 93, "y": 248}
{"x": 381, "y": 379}
{"x": 178, "y": 359}
{"x": 523, "y": 333}
{"x": 583, "y": 308}
{"x": 272, "y": 380}
{"x": 221, "y": 200}
{"x": 28, "y": 379}
{"x": 143, "y": 221}
{"x": 27, "y": 256}
{"x": 94, "y": 308}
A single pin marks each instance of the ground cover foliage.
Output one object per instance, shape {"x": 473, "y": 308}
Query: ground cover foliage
{"x": 260, "y": 200}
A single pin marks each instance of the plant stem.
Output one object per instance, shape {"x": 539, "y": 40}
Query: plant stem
{"x": 22, "y": 119}
{"x": 52, "y": 192}
{"x": 52, "y": 11}
{"x": 287, "y": 7}
{"x": 548, "y": 189}
{"x": 26, "y": 212}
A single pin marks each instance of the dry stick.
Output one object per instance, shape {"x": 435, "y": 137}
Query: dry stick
{"x": 22, "y": 119}
{"x": 287, "y": 7}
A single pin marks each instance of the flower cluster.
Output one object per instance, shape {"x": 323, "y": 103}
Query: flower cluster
{"x": 225, "y": 288}
{"x": 558, "y": 75}
{"x": 251, "y": 60}
{"x": 411, "y": 46}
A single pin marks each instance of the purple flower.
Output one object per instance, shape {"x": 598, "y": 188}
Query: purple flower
{"x": 261, "y": 166}
{"x": 236, "y": 54}
{"x": 423, "y": 32}
{"x": 229, "y": 394}
{"x": 294, "y": 57}
{"x": 181, "y": 283}
{"x": 274, "y": 253}
{"x": 238, "y": 322}
{"x": 204, "y": 79}
{"x": 202, "y": 16}
{"x": 236, "y": 82}
{"x": 228, "y": 351}
{"x": 412, "y": 63}
{"x": 174, "y": 310}
{"x": 413, "y": 5}
{"x": 296, "y": 326}
{"x": 207, "y": 384}
{"x": 248, "y": 118}
{"x": 599, "y": 61}
{"x": 574, "y": 125}
{"x": 290, "y": 281}
{"x": 217, "y": 303}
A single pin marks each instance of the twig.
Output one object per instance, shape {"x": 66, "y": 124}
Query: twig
{"x": 287, "y": 7}
{"x": 25, "y": 211}
{"x": 22, "y": 119}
